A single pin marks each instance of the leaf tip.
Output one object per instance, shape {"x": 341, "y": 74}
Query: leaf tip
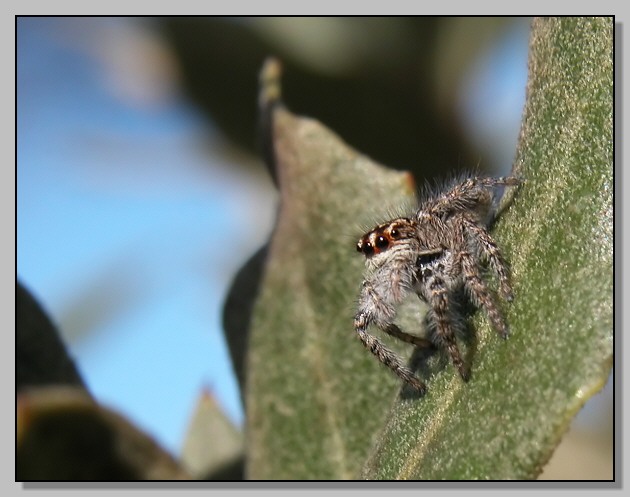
{"x": 270, "y": 88}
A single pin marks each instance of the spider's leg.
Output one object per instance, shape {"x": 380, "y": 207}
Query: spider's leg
{"x": 508, "y": 196}
{"x": 396, "y": 332}
{"x": 490, "y": 182}
{"x": 477, "y": 188}
{"x": 481, "y": 295}
{"x": 377, "y": 305}
{"x": 488, "y": 248}
{"x": 470, "y": 194}
{"x": 385, "y": 355}
{"x": 439, "y": 316}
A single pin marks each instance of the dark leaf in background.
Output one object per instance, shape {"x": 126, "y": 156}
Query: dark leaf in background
{"x": 63, "y": 434}
{"x": 41, "y": 357}
{"x": 393, "y": 96}
{"x": 237, "y": 312}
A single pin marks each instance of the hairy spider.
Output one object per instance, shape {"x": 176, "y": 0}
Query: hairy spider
{"x": 435, "y": 253}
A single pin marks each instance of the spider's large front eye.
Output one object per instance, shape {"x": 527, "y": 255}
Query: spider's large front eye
{"x": 381, "y": 242}
{"x": 367, "y": 248}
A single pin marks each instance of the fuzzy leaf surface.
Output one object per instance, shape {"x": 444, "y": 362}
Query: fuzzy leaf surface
{"x": 558, "y": 235}
{"x": 315, "y": 398}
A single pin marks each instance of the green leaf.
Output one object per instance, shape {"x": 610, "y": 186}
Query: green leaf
{"x": 314, "y": 396}
{"x": 506, "y": 422}
{"x": 320, "y": 407}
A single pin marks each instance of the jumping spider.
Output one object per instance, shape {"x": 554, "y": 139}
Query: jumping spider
{"x": 436, "y": 253}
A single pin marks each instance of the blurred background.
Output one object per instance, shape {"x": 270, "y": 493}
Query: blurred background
{"x": 141, "y": 190}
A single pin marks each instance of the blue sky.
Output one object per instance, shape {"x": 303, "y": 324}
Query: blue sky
{"x": 122, "y": 207}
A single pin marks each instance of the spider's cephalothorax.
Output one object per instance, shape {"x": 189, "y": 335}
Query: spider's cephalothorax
{"x": 435, "y": 253}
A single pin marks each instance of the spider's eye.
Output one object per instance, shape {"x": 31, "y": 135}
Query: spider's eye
{"x": 367, "y": 248}
{"x": 381, "y": 242}
{"x": 394, "y": 233}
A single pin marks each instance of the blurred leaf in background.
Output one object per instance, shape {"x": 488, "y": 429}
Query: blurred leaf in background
{"x": 389, "y": 86}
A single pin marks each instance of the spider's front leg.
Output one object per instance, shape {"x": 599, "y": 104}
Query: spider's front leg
{"x": 374, "y": 310}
